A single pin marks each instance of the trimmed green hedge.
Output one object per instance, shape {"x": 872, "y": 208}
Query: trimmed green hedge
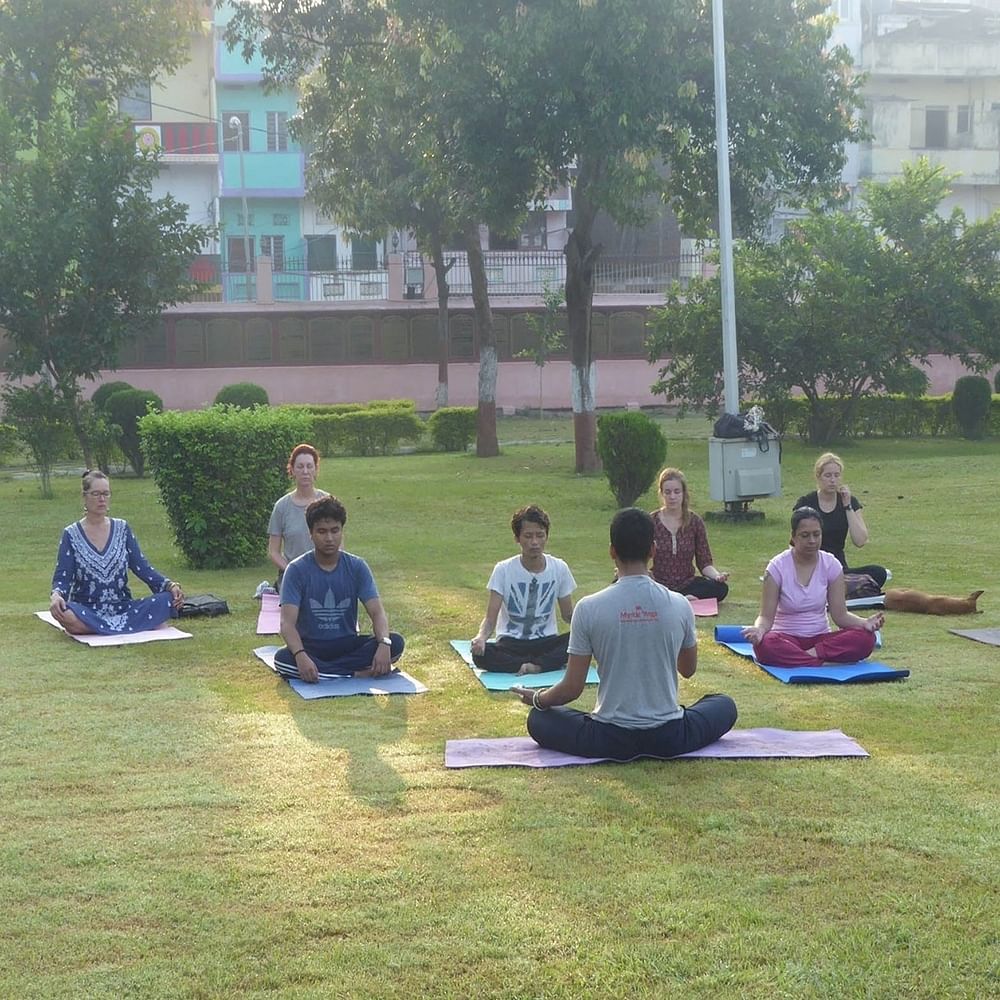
{"x": 124, "y": 409}
{"x": 218, "y": 500}
{"x": 242, "y": 394}
{"x": 632, "y": 448}
{"x": 453, "y": 428}
{"x": 877, "y": 416}
{"x": 374, "y": 428}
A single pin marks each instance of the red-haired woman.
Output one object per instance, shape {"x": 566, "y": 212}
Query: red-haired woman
{"x": 288, "y": 534}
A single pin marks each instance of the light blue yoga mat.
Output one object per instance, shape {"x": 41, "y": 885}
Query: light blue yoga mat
{"x": 731, "y": 636}
{"x": 397, "y": 682}
{"x": 495, "y": 681}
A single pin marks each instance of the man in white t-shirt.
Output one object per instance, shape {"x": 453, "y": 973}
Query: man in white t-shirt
{"x": 524, "y": 593}
{"x": 642, "y": 636}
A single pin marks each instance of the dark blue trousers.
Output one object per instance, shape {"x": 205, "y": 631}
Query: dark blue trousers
{"x": 337, "y": 657}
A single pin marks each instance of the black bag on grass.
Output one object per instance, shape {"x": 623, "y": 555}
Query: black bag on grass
{"x": 203, "y": 605}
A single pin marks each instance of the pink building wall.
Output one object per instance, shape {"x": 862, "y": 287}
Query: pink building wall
{"x": 619, "y": 383}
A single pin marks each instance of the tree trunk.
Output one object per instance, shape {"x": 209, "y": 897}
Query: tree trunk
{"x": 581, "y": 256}
{"x": 486, "y": 420}
{"x": 441, "y": 272}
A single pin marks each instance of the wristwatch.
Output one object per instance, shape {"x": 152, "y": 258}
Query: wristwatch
{"x": 385, "y": 640}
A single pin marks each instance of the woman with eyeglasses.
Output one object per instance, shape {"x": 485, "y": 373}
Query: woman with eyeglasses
{"x": 90, "y": 593}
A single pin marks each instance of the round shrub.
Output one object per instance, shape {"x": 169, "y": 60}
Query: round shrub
{"x": 105, "y": 391}
{"x": 632, "y": 449}
{"x": 125, "y": 409}
{"x": 218, "y": 503}
{"x": 970, "y": 402}
{"x": 453, "y": 428}
{"x": 245, "y": 395}
{"x": 996, "y": 381}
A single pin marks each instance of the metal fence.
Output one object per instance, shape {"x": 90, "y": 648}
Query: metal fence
{"x": 363, "y": 278}
{"x": 532, "y": 272}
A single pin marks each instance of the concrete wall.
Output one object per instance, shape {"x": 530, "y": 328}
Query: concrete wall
{"x": 619, "y": 383}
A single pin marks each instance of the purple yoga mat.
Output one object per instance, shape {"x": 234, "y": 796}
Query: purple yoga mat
{"x": 739, "y": 744}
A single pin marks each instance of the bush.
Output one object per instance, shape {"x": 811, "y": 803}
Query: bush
{"x": 372, "y": 429}
{"x": 218, "y": 503}
{"x": 8, "y": 442}
{"x": 125, "y": 409}
{"x": 453, "y": 428}
{"x": 377, "y": 431}
{"x": 970, "y": 402}
{"x": 632, "y": 449}
{"x": 104, "y": 391}
{"x": 40, "y": 418}
{"x": 996, "y": 381}
{"x": 245, "y": 395}
{"x": 104, "y": 438}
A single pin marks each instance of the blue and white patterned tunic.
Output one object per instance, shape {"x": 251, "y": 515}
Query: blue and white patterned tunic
{"x": 95, "y": 583}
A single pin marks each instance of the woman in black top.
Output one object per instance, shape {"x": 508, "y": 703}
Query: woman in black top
{"x": 841, "y": 514}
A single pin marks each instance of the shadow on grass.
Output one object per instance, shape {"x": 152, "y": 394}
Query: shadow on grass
{"x": 361, "y": 727}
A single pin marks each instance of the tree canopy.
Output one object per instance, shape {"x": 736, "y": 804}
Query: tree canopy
{"x": 86, "y": 256}
{"x": 843, "y": 305}
{"x": 56, "y": 50}
{"x": 508, "y": 97}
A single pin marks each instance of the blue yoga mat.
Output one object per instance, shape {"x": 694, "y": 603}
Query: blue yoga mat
{"x": 731, "y": 636}
{"x": 396, "y": 682}
{"x": 495, "y": 681}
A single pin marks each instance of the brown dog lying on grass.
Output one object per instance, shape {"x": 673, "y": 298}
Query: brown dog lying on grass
{"x": 904, "y": 599}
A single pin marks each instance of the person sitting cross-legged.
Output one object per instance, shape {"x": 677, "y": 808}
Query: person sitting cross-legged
{"x": 802, "y": 584}
{"x": 524, "y": 591}
{"x": 642, "y": 636}
{"x": 320, "y": 591}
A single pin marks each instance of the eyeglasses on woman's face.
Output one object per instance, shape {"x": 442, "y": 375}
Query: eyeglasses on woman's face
{"x": 98, "y": 494}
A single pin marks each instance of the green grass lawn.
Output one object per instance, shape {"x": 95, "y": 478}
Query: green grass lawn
{"x": 178, "y": 823}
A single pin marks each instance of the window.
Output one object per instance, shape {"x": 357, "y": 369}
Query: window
{"x": 321, "y": 253}
{"x": 136, "y": 103}
{"x": 237, "y": 255}
{"x": 533, "y": 233}
{"x": 363, "y": 255}
{"x": 274, "y": 247}
{"x": 277, "y": 131}
{"x": 936, "y": 128}
{"x": 231, "y": 136}
{"x": 964, "y": 123}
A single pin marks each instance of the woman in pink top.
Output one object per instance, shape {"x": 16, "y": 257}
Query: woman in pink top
{"x": 800, "y": 585}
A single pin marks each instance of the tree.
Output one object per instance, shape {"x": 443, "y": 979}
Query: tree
{"x": 53, "y": 52}
{"x": 547, "y": 333}
{"x": 843, "y": 306}
{"x": 408, "y": 130}
{"x": 41, "y": 426}
{"x": 629, "y": 88}
{"x": 87, "y": 258}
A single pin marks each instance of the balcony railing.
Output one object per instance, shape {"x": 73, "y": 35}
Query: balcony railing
{"x": 180, "y": 138}
{"x": 532, "y": 272}
{"x": 362, "y": 278}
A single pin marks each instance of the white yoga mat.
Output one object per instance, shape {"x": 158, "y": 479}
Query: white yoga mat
{"x": 125, "y": 639}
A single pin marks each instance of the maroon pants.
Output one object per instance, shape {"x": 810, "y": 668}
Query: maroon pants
{"x": 849, "y": 645}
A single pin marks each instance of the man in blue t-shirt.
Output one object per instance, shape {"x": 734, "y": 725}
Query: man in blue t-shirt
{"x": 320, "y": 591}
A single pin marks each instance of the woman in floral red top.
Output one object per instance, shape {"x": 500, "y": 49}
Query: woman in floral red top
{"x": 682, "y": 544}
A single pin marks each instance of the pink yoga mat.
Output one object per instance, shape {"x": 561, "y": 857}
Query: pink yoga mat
{"x": 739, "y": 744}
{"x": 704, "y": 607}
{"x": 269, "y": 619}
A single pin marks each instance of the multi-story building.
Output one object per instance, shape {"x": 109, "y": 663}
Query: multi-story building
{"x": 933, "y": 90}
{"x": 176, "y": 116}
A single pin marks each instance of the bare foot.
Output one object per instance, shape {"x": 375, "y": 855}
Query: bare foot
{"x": 529, "y": 668}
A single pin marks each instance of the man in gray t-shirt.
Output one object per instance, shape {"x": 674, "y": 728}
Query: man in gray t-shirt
{"x": 642, "y": 635}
